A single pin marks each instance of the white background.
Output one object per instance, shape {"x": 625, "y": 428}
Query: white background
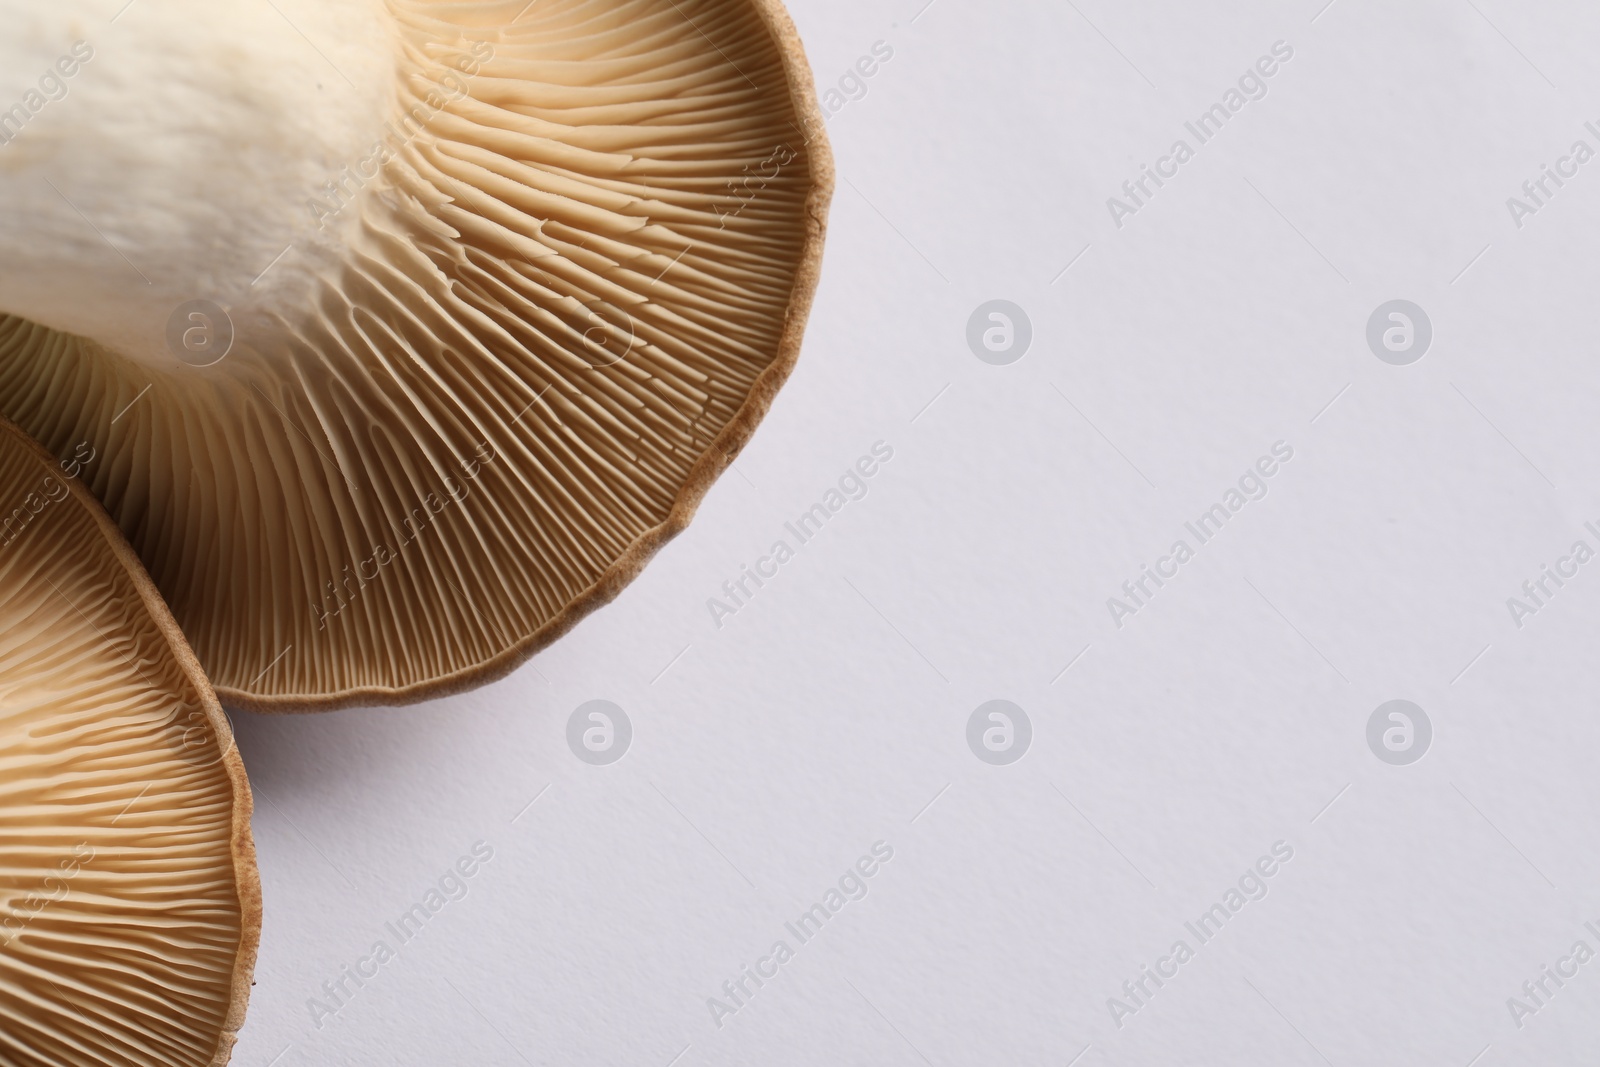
{"x": 1230, "y": 713}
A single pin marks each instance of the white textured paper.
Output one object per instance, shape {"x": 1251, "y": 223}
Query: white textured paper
{"x": 1178, "y": 741}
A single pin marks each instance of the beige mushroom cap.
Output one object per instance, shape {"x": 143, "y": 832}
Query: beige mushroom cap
{"x": 405, "y": 332}
{"x": 130, "y": 907}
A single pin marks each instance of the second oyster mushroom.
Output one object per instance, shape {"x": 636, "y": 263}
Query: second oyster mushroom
{"x": 130, "y": 907}
{"x": 407, "y": 331}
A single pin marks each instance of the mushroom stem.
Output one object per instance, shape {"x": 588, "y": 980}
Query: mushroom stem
{"x": 169, "y": 156}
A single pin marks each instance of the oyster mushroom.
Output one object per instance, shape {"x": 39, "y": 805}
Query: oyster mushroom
{"x": 130, "y": 907}
{"x": 409, "y": 331}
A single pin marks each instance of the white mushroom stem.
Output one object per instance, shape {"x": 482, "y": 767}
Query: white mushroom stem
{"x": 169, "y": 156}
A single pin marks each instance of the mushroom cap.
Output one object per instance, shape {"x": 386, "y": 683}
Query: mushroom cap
{"x": 390, "y": 388}
{"x": 130, "y": 906}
